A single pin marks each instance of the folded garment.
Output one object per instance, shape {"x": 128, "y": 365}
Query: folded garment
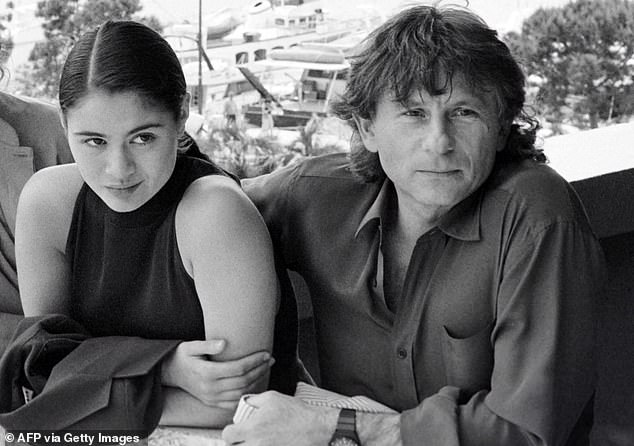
{"x": 56, "y": 376}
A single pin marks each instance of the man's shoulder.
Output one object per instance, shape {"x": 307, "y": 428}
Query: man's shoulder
{"x": 330, "y": 166}
{"x": 319, "y": 169}
{"x": 527, "y": 176}
{"x": 536, "y": 189}
{"x": 14, "y": 107}
{"x": 316, "y": 183}
{"x": 38, "y": 126}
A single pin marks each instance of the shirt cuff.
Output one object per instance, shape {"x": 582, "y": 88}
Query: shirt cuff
{"x": 432, "y": 422}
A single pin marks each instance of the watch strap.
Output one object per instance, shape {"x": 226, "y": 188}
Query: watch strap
{"x": 347, "y": 425}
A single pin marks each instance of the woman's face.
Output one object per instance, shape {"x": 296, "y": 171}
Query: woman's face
{"x": 124, "y": 145}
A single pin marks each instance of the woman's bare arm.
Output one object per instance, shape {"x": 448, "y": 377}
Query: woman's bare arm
{"x": 226, "y": 248}
{"x": 43, "y": 219}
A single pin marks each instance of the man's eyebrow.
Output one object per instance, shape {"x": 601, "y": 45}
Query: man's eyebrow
{"x": 409, "y": 102}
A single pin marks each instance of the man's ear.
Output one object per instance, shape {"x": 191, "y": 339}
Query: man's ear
{"x": 184, "y": 112}
{"x": 366, "y": 132}
{"x": 505, "y": 130}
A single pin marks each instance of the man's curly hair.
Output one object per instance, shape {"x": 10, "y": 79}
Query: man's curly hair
{"x": 426, "y": 47}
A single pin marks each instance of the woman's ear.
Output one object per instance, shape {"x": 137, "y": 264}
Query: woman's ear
{"x": 184, "y": 112}
{"x": 62, "y": 120}
{"x": 365, "y": 127}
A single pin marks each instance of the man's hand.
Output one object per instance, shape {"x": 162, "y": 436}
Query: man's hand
{"x": 281, "y": 420}
{"x": 220, "y": 384}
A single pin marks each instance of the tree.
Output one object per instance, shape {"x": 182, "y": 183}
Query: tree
{"x": 63, "y": 22}
{"x": 6, "y": 42}
{"x": 581, "y": 60}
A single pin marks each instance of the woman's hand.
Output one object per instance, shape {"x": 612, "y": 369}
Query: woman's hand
{"x": 219, "y": 384}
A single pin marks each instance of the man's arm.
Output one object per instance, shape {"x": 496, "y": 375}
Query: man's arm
{"x": 282, "y": 420}
{"x": 544, "y": 349}
{"x": 542, "y": 379}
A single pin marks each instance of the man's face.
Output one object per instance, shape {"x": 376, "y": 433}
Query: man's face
{"x": 437, "y": 150}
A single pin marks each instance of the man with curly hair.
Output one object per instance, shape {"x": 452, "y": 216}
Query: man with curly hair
{"x": 454, "y": 276}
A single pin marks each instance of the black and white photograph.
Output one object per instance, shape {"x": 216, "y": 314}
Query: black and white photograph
{"x": 317, "y": 222}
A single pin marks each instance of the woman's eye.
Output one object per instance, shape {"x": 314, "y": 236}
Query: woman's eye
{"x": 95, "y": 142}
{"x": 144, "y": 138}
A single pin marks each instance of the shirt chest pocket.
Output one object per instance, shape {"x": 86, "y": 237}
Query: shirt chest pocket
{"x": 468, "y": 360}
{"x": 16, "y": 167}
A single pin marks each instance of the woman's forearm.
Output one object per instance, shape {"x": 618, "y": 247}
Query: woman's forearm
{"x": 182, "y": 409}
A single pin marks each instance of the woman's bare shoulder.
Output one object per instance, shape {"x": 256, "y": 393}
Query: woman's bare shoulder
{"x": 49, "y": 198}
{"x": 216, "y": 213}
{"x": 55, "y": 185}
{"x": 214, "y": 198}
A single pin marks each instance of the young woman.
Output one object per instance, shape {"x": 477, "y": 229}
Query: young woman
{"x": 137, "y": 240}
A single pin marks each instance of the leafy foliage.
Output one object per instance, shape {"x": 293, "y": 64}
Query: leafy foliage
{"x": 63, "y": 22}
{"x": 235, "y": 149}
{"x": 581, "y": 60}
{"x": 243, "y": 155}
{"x": 6, "y": 42}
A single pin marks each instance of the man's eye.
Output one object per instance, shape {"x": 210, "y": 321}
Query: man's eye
{"x": 465, "y": 112}
{"x": 144, "y": 138}
{"x": 95, "y": 142}
{"x": 415, "y": 113}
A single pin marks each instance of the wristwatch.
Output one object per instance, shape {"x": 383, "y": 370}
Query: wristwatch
{"x": 346, "y": 432}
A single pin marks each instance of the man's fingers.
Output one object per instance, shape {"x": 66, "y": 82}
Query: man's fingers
{"x": 231, "y": 434}
{"x": 261, "y": 399}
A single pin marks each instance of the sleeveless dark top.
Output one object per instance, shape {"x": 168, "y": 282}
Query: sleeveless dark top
{"x": 128, "y": 279}
{"x": 127, "y": 276}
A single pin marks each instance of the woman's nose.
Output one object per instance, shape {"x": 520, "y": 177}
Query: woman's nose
{"x": 119, "y": 163}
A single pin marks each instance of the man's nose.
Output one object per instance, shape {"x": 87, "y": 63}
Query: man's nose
{"x": 120, "y": 164}
{"x": 436, "y": 137}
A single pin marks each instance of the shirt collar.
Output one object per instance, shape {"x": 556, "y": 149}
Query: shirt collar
{"x": 461, "y": 222}
{"x": 378, "y": 208}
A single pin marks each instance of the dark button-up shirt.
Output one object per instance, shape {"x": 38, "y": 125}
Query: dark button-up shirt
{"x": 492, "y": 340}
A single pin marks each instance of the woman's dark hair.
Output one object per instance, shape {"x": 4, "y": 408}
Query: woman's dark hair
{"x": 426, "y": 47}
{"x": 125, "y": 56}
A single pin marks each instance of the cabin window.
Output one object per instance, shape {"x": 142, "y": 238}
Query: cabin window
{"x": 277, "y": 48}
{"x": 325, "y": 74}
{"x": 280, "y": 22}
{"x": 320, "y": 74}
{"x": 242, "y": 57}
{"x": 260, "y": 54}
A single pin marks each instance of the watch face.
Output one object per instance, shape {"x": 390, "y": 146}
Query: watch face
{"x": 343, "y": 441}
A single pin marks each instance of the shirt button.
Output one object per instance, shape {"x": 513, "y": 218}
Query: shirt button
{"x": 401, "y": 353}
